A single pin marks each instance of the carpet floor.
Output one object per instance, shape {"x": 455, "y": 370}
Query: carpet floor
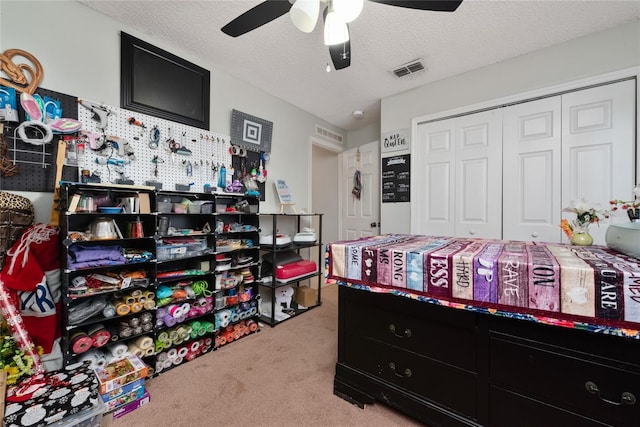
{"x": 280, "y": 376}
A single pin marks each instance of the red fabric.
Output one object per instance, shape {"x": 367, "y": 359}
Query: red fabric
{"x": 36, "y": 295}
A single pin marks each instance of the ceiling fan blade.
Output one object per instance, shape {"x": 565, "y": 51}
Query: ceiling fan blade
{"x": 256, "y": 17}
{"x": 340, "y": 55}
{"x": 435, "y": 5}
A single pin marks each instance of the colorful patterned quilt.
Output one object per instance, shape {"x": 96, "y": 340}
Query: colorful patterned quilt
{"x": 590, "y": 287}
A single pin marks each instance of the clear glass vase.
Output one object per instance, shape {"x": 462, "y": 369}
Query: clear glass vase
{"x": 581, "y": 236}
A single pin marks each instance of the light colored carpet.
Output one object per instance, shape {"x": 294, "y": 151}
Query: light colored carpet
{"x": 280, "y": 376}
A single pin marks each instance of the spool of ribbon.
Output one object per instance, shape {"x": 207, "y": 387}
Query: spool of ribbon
{"x": 159, "y": 367}
{"x": 178, "y": 360}
{"x": 134, "y": 349}
{"x": 134, "y": 321}
{"x": 99, "y": 335}
{"x": 146, "y": 317}
{"x": 137, "y": 330}
{"x": 122, "y": 309}
{"x": 117, "y": 350}
{"x": 136, "y": 307}
{"x": 195, "y": 346}
{"x": 162, "y": 357}
{"x": 182, "y": 351}
{"x": 159, "y": 346}
{"x": 17, "y": 329}
{"x": 80, "y": 342}
{"x": 109, "y": 310}
{"x": 95, "y": 358}
{"x": 167, "y": 363}
{"x": 147, "y": 327}
{"x": 150, "y": 295}
{"x": 144, "y": 342}
{"x": 149, "y": 304}
{"x": 172, "y": 353}
{"x": 252, "y": 325}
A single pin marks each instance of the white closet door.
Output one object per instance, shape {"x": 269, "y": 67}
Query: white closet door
{"x": 478, "y": 175}
{"x": 598, "y": 155}
{"x": 531, "y": 174}
{"x": 434, "y": 172}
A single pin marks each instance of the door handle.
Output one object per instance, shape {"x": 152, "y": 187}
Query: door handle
{"x": 374, "y": 224}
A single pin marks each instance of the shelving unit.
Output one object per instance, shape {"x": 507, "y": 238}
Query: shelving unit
{"x": 280, "y": 297}
{"x": 108, "y": 298}
{"x": 195, "y": 279}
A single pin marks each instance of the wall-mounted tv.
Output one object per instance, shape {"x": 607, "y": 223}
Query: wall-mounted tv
{"x": 158, "y": 83}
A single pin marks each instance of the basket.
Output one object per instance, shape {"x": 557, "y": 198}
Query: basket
{"x": 16, "y": 214}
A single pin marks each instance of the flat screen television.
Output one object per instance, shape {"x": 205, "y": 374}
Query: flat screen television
{"x": 158, "y": 83}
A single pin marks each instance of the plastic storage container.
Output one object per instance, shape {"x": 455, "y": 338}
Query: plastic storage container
{"x": 88, "y": 418}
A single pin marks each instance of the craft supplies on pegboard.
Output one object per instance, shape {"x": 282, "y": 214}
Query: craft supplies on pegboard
{"x": 132, "y": 148}
{"x": 25, "y": 166}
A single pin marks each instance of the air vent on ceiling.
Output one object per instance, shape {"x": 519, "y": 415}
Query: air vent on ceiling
{"x": 328, "y": 134}
{"x": 409, "y": 68}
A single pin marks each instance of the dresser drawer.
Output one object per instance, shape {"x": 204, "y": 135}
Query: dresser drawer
{"x": 509, "y": 409}
{"x": 433, "y": 331}
{"x": 598, "y": 388}
{"x": 441, "y": 383}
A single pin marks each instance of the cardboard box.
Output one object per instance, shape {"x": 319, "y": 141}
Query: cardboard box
{"x": 120, "y": 372}
{"x": 124, "y": 399}
{"x": 39, "y": 400}
{"x": 125, "y": 389}
{"x": 130, "y": 407}
{"x": 306, "y": 296}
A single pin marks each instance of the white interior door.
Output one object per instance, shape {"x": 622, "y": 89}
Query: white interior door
{"x": 433, "y": 188}
{"x": 478, "y": 175}
{"x": 598, "y": 149}
{"x": 531, "y": 196}
{"x": 360, "y": 217}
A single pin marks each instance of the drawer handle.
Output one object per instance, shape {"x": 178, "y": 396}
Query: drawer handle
{"x": 406, "y": 334}
{"x": 407, "y": 372}
{"x": 627, "y": 397}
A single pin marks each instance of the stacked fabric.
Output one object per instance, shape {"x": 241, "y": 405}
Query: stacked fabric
{"x": 591, "y": 283}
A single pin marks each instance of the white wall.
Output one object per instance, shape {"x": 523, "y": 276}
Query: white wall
{"x": 610, "y": 50}
{"x": 80, "y": 52}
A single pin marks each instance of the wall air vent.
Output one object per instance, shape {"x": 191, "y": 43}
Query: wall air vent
{"x": 326, "y": 133}
{"x": 409, "y": 68}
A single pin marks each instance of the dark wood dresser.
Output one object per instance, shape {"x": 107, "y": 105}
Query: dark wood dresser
{"x": 453, "y": 367}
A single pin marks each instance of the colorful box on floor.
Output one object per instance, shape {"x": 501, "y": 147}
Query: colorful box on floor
{"x": 125, "y": 398}
{"x": 121, "y": 372}
{"x": 130, "y": 407}
{"x": 48, "y": 398}
{"x": 125, "y": 389}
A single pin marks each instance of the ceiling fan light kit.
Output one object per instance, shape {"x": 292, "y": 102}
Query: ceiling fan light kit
{"x": 304, "y": 14}
{"x": 337, "y": 14}
{"x": 335, "y": 29}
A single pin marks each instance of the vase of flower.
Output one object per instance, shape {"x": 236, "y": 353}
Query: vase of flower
{"x": 580, "y": 236}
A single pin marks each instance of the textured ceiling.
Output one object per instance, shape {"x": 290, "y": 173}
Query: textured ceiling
{"x": 291, "y": 65}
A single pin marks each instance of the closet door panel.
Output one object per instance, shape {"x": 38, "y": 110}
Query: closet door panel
{"x": 531, "y": 173}
{"x": 598, "y": 148}
{"x": 434, "y": 172}
{"x": 479, "y": 175}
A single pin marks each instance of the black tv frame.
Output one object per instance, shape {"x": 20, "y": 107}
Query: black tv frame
{"x": 128, "y": 46}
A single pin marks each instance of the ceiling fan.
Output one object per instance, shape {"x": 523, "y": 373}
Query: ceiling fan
{"x": 336, "y": 15}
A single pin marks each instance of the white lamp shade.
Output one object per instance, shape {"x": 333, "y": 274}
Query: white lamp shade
{"x": 348, "y": 10}
{"x": 304, "y": 14}
{"x": 335, "y": 29}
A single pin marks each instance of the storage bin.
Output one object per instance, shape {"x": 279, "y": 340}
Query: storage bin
{"x": 180, "y": 208}
{"x": 165, "y": 207}
{"x": 206, "y": 208}
{"x": 87, "y": 418}
{"x": 181, "y": 247}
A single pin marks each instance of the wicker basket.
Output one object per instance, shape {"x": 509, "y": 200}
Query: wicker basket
{"x": 13, "y": 220}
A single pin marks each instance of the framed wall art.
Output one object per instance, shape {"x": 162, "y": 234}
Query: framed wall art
{"x": 251, "y": 132}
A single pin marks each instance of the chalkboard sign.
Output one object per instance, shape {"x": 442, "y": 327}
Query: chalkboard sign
{"x": 396, "y": 179}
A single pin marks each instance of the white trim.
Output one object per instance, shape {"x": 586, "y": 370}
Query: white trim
{"x": 522, "y": 96}
{"x": 327, "y": 145}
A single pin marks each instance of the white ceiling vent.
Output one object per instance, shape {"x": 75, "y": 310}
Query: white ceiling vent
{"x": 329, "y": 134}
{"x": 412, "y": 67}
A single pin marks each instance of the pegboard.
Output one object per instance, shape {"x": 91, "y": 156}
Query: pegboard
{"x": 209, "y": 150}
{"x": 35, "y": 163}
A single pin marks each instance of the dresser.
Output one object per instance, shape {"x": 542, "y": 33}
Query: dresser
{"x": 453, "y": 367}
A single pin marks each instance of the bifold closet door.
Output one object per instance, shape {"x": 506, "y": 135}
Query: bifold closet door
{"x": 458, "y": 171}
{"x": 434, "y": 171}
{"x": 532, "y": 143}
{"x": 598, "y": 148}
